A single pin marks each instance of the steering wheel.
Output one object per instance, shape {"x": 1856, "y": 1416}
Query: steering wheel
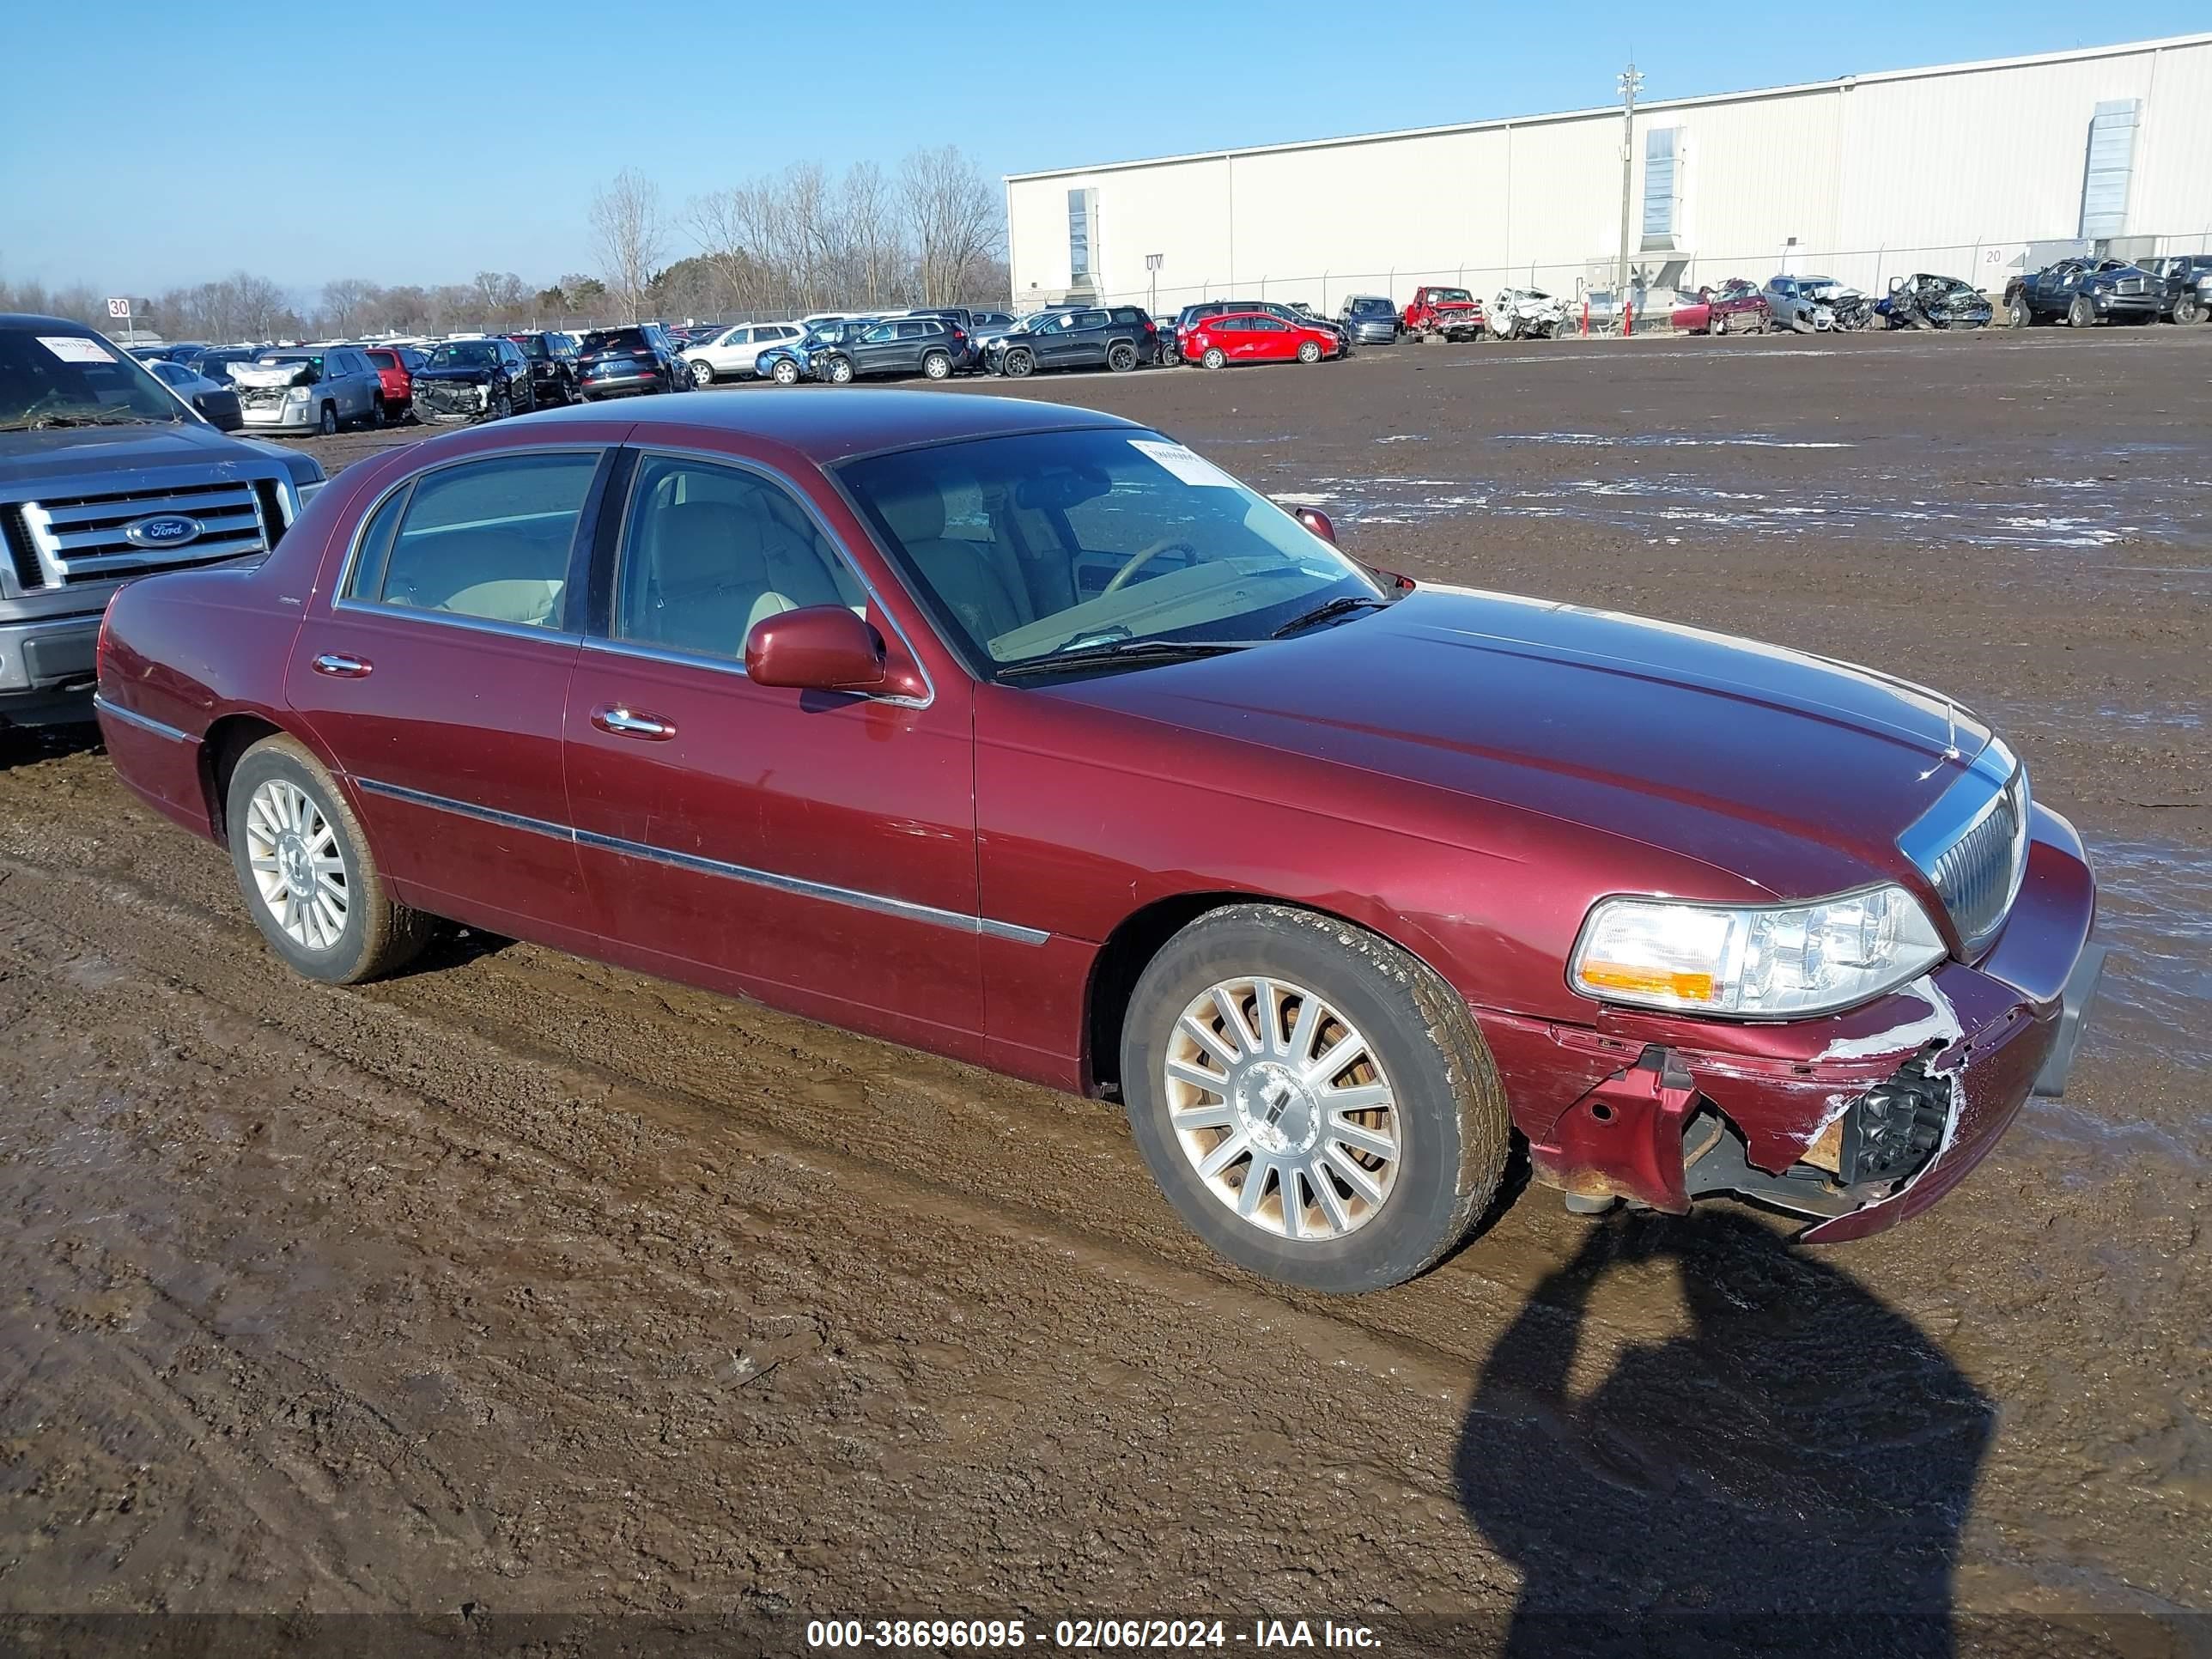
{"x": 1145, "y": 556}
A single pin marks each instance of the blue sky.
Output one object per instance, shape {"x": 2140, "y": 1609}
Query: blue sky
{"x": 402, "y": 142}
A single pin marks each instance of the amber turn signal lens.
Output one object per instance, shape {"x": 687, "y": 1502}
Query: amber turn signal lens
{"x": 1619, "y": 976}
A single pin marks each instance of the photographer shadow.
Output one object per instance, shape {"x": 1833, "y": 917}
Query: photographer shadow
{"x": 1787, "y": 1473}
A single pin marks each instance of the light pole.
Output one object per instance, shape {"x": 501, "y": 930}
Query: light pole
{"x": 1630, "y": 81}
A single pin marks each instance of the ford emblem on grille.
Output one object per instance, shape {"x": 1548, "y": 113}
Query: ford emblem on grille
{"x": 162, "y": 529}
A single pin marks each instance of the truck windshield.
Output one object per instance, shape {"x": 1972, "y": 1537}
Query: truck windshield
{"x": 63, "y": 377}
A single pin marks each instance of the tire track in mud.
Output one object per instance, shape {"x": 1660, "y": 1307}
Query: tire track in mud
{"x": 594, "y": 1158}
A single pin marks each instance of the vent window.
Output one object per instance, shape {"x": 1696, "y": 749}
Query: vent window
{"x": 2111, "y": 163}
{"x": 1661, "y": 176}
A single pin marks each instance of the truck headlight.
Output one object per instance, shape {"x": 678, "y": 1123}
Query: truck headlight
{"x": 483, "y": 396}
{"x": 1754, "y": 961}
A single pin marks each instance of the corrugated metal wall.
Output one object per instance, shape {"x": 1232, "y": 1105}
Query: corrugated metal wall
{"x": 1954, "y": 169}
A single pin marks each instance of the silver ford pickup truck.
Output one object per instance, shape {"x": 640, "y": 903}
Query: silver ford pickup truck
{"x": 105, "y": 475}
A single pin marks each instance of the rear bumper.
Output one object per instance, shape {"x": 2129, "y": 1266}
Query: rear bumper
{"x": 1971, "y": 1041}
{"x": 618, "y": 385}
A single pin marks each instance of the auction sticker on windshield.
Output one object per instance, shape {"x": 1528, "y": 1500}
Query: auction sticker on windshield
{"x": 1192, "y": 469}
{"x": 76, "y": 348}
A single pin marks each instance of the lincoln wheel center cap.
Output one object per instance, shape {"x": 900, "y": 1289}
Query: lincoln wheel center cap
{"x": 293, "y": 861}
{"x": 1274, "y": 1109}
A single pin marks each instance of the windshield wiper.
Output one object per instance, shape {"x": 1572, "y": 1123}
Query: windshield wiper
{"x": 1121, "y": 651}
{"x": 1343, "y": 605}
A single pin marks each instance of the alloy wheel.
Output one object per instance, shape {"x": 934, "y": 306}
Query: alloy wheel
{"x": 292, "y": 852}
{"x": 1283, "y": 1108}
{"x": 786, "y": 372}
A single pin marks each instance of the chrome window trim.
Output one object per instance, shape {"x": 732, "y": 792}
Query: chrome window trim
{"x": 407, "y": 480}
{"x": 144, "y": 722}
{"x": 881, "y": 904}
{"x": 789, "y": 485}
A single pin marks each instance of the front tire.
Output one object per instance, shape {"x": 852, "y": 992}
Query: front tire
{"x": 841, "y": 371}
{"x": 1274, "y": 1046}
{"x": 785, "y": 373}
{"x": 1718, "y": 323}
{"x": 2188, "y": 310}
{"x": 1309, "y": 352}
{"x": 702, "y": 372}
{"x": 1018, "y": 364}
{"x": 501, "y": 407}
{"x": 327, "y": 423}
{"x": 303, "y": 864}
{"x": 2080, "y": 314}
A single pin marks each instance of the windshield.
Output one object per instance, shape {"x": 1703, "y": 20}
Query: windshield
{"x": 466, "y": 354}
{"x": 1031, "y": 546}
{"x": 1373, "y": 308}
{"x": 71, "y": 378}
{"x": 1446, "y": 296}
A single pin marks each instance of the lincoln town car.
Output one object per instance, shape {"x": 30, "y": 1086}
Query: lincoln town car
{"x": 1028, "y": 736}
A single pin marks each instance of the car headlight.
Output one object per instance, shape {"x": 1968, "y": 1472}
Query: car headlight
{"x": 483, "y": 394}
{"x": 1754, "y": 961}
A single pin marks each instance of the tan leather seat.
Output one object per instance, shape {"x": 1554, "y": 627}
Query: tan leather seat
{"x": 963, "y": 574}
{"x": 712, "y": 569}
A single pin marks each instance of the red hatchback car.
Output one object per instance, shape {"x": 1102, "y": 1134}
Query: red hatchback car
{"x": 395, "y": 372}
{"x": 1024, "y": 734}
{"x": 1255, "y": 337}
{"x": 1736, "y": 307}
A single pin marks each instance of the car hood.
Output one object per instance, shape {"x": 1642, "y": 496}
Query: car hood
{"x": 1792, "y": 771}
{"x": 64, "y": 455}
{"x": 461, "y": 373}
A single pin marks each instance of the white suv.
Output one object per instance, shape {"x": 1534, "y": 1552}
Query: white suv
{"x": 735, "y": 352}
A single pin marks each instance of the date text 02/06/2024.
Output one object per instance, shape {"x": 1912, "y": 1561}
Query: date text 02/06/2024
{"x": 1088, "y": 1634}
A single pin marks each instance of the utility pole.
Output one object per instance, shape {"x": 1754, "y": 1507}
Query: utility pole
{"x": 1630, "y": 81}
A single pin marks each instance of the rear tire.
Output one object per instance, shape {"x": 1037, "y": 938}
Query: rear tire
{"x": 1213, "y": 357}
{"x": 1431, "y": 1134}
{"x": 936, "y": 365}
{"x": 1121, "y": 356}
{"x": 376, "y": 416}
{"x": 282, "y": 810}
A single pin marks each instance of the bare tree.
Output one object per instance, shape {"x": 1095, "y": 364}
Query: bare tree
{"x": 956, "y": 220}
{"x": 344, "y": 301}
{"x": 877, "y": 240}
{"x": 722, "y": 223}
{"x": 505, "y": 297}
{"x": 628, "y": 235}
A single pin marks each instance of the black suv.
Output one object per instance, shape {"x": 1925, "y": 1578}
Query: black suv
{"x": 473, "y": 380}
{"x": 934, "y": 347}
{"x": 552, "y": 366}
{"x": 1122, "y": 338}
{"x": 2188, "y": 279}
{"x": 2085, "y": 292}
{"x": 615, "y": 362}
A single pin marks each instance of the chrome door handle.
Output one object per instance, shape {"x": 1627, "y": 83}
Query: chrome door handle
{"x": 624, "y": 724}
{"x": 342, "y": 668}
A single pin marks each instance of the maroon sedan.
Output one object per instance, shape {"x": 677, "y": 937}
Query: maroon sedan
{"x": 1023, "y": 734}
{"x": 1736, "y": 307}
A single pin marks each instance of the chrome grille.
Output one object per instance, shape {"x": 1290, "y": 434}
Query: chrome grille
{"x": 1972, "y": 845}
{"x": 2131, "y": 285}
{"x": 81, "y": 538}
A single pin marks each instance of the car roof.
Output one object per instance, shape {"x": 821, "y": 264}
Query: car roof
{"x": 835, "y": 426}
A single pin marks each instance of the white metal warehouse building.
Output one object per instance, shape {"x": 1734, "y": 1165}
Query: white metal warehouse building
{"x": 1972, "y": 170}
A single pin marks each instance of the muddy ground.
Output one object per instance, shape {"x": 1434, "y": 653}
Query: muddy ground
{"x": 520, "y": 1285}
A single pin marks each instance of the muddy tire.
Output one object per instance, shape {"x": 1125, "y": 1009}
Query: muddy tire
{"x": 1309, "y": 352}
{"x": 1350, "y": 1197}
{"x": 1121, "y": 356}
{"x": 1017, "y": 365}
{"x": 327, "y": 423}
{"x": 2080, "y": 314}
{"x": 291, "y": 832}
{"x": 937, "y": 365}
{"x": 1213, "y": 357}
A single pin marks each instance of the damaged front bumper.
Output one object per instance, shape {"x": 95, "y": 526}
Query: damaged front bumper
{"x": 1856, "y": 1121}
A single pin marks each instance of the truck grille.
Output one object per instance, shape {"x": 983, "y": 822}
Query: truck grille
{"x": 2131, "y": 285}
{"x": 1978, "y": 874}
{"x": 81, "y": 538}
{"x": 447, "y": 397}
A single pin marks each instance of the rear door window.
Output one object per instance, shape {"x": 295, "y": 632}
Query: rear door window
{"x": 488, "y": 539}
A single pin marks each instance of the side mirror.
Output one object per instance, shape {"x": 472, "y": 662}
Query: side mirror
{"x": 1317, "y": 521}
{"x": 1897, "y": 285}
{"x": 817, "y": 648}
